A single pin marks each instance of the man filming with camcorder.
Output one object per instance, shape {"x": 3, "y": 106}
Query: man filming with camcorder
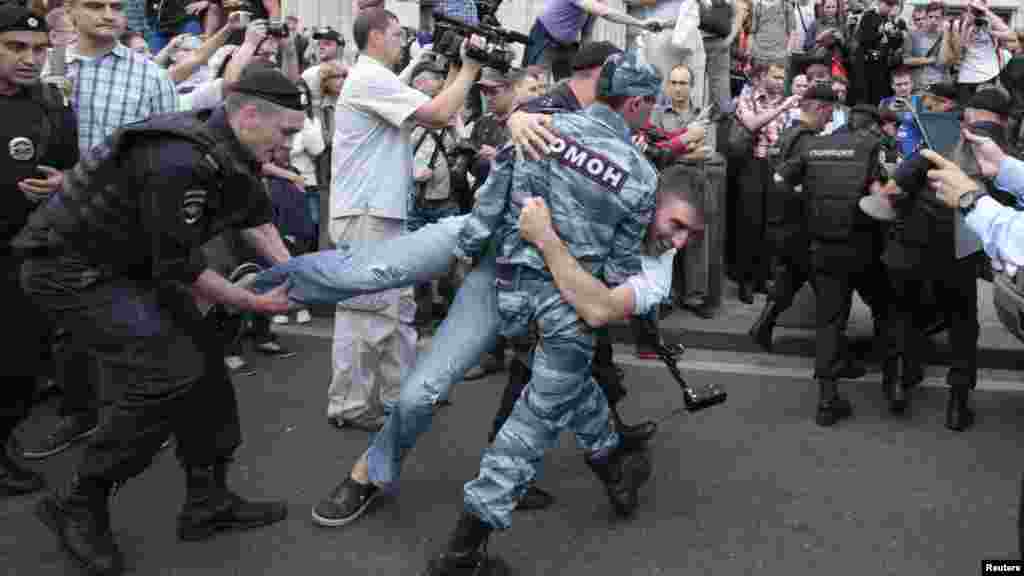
{"x": 972, "y": 44}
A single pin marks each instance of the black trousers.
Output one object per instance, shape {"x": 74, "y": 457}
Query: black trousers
{"x": 833, "y": 291}
{"x": 26, "y": 351}
{"x": 752, "y": 247}
{"x": 602, "y": 368}
{"x": 165, "y": 362}
{"x": 955, "y": 284}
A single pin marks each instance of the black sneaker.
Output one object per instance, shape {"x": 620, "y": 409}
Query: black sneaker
{"x": 346, "y": 503}
{"x": 69, "y": 430}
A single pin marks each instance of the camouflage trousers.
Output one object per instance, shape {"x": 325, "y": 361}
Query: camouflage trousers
{"x": 561, "y": 395}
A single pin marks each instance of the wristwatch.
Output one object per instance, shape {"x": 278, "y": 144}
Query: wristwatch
{"x": 968, "y": 200}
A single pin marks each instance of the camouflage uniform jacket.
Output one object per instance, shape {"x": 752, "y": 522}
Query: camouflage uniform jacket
{"x": 599, "y": 187}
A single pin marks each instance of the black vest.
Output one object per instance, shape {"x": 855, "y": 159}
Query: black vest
{"x": 87, "y": 212}
{"x": 780, "y": 203}
{"x": 838, "y": 172}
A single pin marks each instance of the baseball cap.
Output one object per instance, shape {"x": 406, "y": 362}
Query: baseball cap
{"x": 328, "y": 33}
{"x": 272, "y": 85}
{"x": 14, "y": 17}
{"x": 994, "y": 100}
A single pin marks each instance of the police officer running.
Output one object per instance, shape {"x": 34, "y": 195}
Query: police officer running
{"x": 832, "y": 173}
{"x": 115, "y": 255}
{"x": 784, "y": 213}
{"x": 42, "y": 138}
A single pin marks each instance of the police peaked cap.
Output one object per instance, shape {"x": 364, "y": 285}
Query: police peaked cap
{"x": 868, "y": 110}
{"x": 628, "y": 74}
{"x": 821, "y": 92}
{"x": 272, "y": 85}
{"x": 944, "y": 90}
{"x": 994, "y": 100}
{"x": 15, "y": 18}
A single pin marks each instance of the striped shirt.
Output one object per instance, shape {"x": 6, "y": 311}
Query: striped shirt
{"x": 135, "y": 13}
{"x": 115, "y": 89}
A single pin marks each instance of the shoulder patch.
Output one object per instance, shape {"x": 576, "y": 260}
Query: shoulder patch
{"x": 593, "y": 165}
{"x": 193, "y": 206}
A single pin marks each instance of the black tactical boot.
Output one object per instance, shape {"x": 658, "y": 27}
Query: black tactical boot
{"x": 893, "y": 378}
{"x": 634, "y": 437}
{"x": 81, "y": 520}
{"x": 210, "y": 507}
{"x": 761, "y": 331}
{"x": 959, "y": 415}
{"x": 623, "y": 472}
{"x": 15, "y": 479}
{"x": 466, "y": 553}
{"x": 831, "y": 406}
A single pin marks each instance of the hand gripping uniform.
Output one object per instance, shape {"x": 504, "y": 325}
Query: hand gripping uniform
{"x": 601, "y": 191}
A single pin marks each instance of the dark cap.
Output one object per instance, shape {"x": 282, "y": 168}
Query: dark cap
{"x": 272, "y": 85}
{"x": 593, "y": 55}
{"x": 820, "y": 91}
{"x": 328, "y": 33}
{"x": 867, "y": 110}
{"x": 17, "y": 18}
{"x": 994, "y": 100}
{"x": 944, "y": 90}
{"x": 427, "y": 66}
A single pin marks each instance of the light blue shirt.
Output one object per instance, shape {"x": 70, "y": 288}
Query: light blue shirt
{"x": 1001, "y": 228}
{"x": 654, "y": 285}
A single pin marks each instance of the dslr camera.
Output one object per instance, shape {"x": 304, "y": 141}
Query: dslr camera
{"x": 495, "y": 53}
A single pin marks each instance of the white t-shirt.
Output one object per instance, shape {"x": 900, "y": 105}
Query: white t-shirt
{"x": 803, "y": 19}
{"x": 980, "y": 62}
{"x": 371, "y": 164}
{"x": 654, "y": 285}
{"x": 312, "y": 79}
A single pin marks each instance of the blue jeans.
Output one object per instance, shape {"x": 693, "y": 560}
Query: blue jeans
{"x": 157, "y": 40}
{"x": 331, "y": 276}
{"x": 561, "y": 394}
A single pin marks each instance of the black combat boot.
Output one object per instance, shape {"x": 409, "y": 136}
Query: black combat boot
{"x": 831, "y": 406}
{"x": 210, "y": 507}
{"x": 893, "y": 384}
{"x": 466, "y": 553}
{"x": 623, "y": 472}
{"x": 81, "y": 520}
{"x": 634, "y": 437}
{"x": 959, "y": 415}
{"x": 761, "y": 331}
{"x": 15, "y": 479}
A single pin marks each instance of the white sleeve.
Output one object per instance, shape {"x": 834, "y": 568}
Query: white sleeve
{"x": 312, "y": 79}
{"x": 386, "y": 96}
{"x": 205, "y": 96}
{"x": 654, "y": 285}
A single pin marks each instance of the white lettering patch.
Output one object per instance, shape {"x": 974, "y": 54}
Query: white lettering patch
{"x": 594, "y": 166}
{"x": 831, "y": 153}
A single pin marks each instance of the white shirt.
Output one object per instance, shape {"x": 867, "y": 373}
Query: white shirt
{"x": 312, "y": 79}
{"x": 306, "y": 146}
{"x": 654, "y": 285}
{"x": 371, "y": 171}
{"x": 980, "y": 62}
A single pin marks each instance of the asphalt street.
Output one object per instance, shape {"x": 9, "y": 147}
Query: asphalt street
{"x": 749, "y": 487}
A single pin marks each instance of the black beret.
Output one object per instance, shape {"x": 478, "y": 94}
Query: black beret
{"x": 994, "y": 100}
{"x": 821, "y": 92}
{"x": 272, "y": 85}
{"x": 593, "y": 55}
{"x": 16, "y": 18}
{"x": 328, "y": 33}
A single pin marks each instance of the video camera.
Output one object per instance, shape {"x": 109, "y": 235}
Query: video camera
{"x": 451, "y": 32}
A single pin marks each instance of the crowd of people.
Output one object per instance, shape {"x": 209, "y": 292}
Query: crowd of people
{"x": 190, "y": 174}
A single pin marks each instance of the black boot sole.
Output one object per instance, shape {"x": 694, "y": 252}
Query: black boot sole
{"x": 48, "y": 512}
{"x": 637, "y": 467}
{"x": 206, "y": 530}
{"x": 491, "y": 566}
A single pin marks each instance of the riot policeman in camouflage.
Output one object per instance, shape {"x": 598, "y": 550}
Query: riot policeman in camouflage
{"x": 116, "y": 256}
{"x": 601, "y": 191}
{"x": 832, "y": 174}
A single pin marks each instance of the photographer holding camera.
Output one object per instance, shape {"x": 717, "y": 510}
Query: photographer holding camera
{"x": 879, "y": 47}
{"x": 972, "y": 45}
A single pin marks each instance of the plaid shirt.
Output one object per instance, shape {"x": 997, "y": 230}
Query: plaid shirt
{"x": 755, "y": 102}
{"x": 115, "y": 89}
{"x": 135, "y": 13}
